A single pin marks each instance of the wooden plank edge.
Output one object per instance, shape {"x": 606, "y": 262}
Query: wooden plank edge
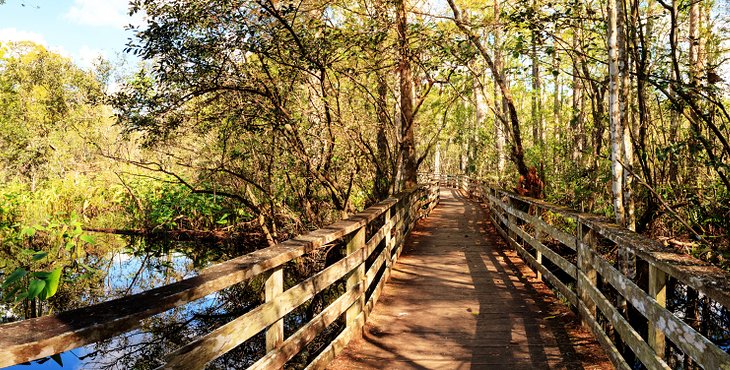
{"x": 546, "y": 274}
{"x": 296, "y": 342}
{"x": 641, "y": 349}
{"x": 559, "y": 261}
{"x": 613, "y": 354}
{"x": 221, "y": 340}
{"x": 337, "y": 345}
{"x": 691, "y": 342}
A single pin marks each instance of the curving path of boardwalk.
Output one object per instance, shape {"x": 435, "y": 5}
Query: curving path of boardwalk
{"x": 460, "y": 299}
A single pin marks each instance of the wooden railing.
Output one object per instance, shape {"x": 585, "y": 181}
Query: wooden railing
{"x": 579, "y": 255}
{"x": 391, "y": 221}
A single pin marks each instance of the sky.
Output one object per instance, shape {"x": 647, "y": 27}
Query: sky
{"x": 78, "y": 29}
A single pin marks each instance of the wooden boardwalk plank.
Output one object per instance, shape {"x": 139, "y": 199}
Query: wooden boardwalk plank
{"x": 460, "y": 299}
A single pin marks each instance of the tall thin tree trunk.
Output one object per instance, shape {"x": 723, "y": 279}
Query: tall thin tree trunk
{"x": 437, "y": 160}
{"x": 396, "y": 184}
{"x": 480, "y": 113}
{"x": 695, "y": 61}
{"x": 557, "y": 130}
{"x": 674, "y": 119}
{"x": 382, "y": 173}
{"x": 518, "y": 153}
{"x": 627, "y": 154}
{"x": 578, "y": 117}
{"x": 614, "y": 114}
{"x": 499, "y": 103}
{"x": 537, "y": 124}
{"x": 408, "y": 144}
{"x": 464, "y": 165}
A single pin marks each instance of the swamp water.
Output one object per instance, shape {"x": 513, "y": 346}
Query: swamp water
{"x": 145, "y": 347}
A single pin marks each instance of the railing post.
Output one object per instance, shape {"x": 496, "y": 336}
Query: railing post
{"x": 584, "y": 241}
{"x": 658, "y": 291}
{"x": 510, "y": 219}
{"x": 398, "y": 229}
{"x": 274, "y": 286}
{"x": 388, "y": 239}
{"x": 538, "y": 254}
{"x": 357, "y": 276}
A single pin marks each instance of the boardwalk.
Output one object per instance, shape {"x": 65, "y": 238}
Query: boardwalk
{"x": 459, "y": 299}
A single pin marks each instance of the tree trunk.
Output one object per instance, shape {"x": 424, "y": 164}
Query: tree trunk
{"x": 578, "y": 118}
{"x": 557, "y": 105}
{"x": 674, "y": 119}
{"x": 480, "y": 113}
{"x": 408, "y": 143}
{"x": 614, "y": 114}
{"x": 382, "y": 168}
{"x": 499, "y": 102}
{"x": 518, "y": 153}
{"x": 437, "y": 160}
{"x": 695, "y": 61}
{"x": 537, "y": 129}
{"x": 627, "y": 146}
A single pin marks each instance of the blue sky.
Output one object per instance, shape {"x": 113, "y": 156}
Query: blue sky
{"x": 79, "y": 29}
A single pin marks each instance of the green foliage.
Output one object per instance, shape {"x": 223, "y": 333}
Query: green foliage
{"x": 42, "y": 96}
{"x": 62, "y": 244}
{"x": 171, "y": 206}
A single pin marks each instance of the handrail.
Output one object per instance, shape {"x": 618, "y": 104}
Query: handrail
{"x": 522, "y": 222}
{"x": 36, "y": 338}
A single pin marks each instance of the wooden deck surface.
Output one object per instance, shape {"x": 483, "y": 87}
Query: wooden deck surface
{"x": 460, "y": 299}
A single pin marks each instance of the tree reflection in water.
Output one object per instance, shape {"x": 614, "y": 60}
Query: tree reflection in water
{"x": 147, "y": 346}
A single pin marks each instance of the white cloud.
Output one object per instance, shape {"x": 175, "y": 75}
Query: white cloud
{"x": 86, "y": 56}
{"x": 109, "y": 13}
{"x": 14, "y": 34}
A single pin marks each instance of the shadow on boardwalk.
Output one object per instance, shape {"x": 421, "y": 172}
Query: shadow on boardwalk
{"x": 460, "y": 299}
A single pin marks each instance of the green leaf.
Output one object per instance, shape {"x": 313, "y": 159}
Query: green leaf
{"x": 27, "y": 231}
{"x": 39, "y": 255}
{"x": 41, "y": 274}
{"x": 70, "y": 245}
{"x": 77, "y": 230}
{"x": 88, "y": 239}
{"x": 11, "y": 293}
{"x": 35, "y": 288}
{"x": 16, "y": 275}
{"x": 51, "y": 284}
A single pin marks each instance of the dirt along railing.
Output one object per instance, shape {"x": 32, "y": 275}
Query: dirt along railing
{"x": 648, "y": 305}
{"x": 373, "y": 240}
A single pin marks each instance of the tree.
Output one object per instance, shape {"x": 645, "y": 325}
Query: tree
{"x": 408, "y": 140}
{"x": 518, "y": 154}
{"x": 500, "y": 104}
{"x": 615, "y": 115}
{"x": 42, "y": 96}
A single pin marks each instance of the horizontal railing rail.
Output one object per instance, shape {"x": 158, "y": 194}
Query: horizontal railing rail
{"x": 623, "y": 303}
{"x": 36, "y": 338}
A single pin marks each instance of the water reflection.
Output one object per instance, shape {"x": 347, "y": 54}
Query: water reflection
{"x": 114, "y": 275}
{"x": 122, "y": 273}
